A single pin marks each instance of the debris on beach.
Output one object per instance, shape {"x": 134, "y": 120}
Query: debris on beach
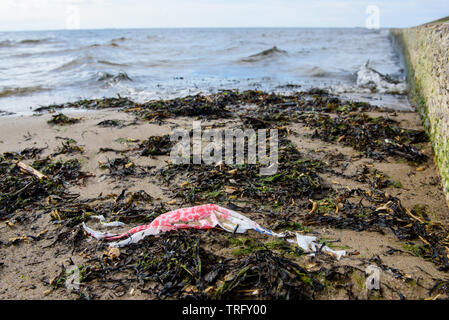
{"x": 62, "y": 120}
{"x": 156, "y": 146}
{"x": 68, "y": 146}
{"x": 225, "y": 104}
{"x": 5, "y": 113}
{"x": 23, "y": 186}
{"x": 124, "y": 167}
{"x": 376, "y": 137}
{"x": 201, "y": 217}
{"x": 94, "y": 104}
{"x": 384, "y": 211}
{"x": 309, "y": 245}
{"x": 296, "y": 178}
{"x": 28, "y": 169}
{"x": 111, "y": 123}
{"x": 300, "y": 205}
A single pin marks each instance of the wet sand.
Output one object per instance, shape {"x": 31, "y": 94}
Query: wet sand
{"x": 28, "y": 268}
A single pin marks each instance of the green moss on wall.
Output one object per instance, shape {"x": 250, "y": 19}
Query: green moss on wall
{"x": 426, "y": 57}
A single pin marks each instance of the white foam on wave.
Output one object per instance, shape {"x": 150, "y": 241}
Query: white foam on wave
{"x": 375, "y": 81}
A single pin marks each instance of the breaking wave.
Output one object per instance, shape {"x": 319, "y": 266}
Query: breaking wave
{"x": 317, "y": 72}
{"x": 111, "y": 44}
{"x": 113, "y": 79}
{"x": 120, "y": 39}
{"x": 9, "y": 43}
{"x": 268, "y": 54}
{"x": 6, "y": 44}
{"x": 114, "y": 64}
{"x": 75, "y": 63}
{"x": 31, "y": 41}
{"x": 7, "y": 92}
{"x": 375, "y": 81}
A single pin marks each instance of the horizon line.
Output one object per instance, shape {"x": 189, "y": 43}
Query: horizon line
{"x": 225, "y": 27}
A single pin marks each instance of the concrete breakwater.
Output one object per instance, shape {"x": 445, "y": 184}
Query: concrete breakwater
{"x": 426, "y": 56}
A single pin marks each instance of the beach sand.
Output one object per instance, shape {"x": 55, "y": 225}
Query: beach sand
{"x": 28, "y": 268}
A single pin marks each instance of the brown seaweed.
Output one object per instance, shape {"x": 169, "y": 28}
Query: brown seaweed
{"x": 62, "y": 120}
{"x": 376, "y": 137}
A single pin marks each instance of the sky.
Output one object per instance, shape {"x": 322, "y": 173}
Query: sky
{"x": 101, "y": 14}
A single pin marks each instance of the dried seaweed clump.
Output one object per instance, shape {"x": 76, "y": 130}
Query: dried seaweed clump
{"x": 19, "y": 190}
{"x": 265, "y": 275}
{"x": 68, "y": 146}
{"x": 127, "y": 207}
{"x": 156, "y": 146}
{"x": 296, "y": 178}
{"x": 178, "y": 266}
{"x": 123, "y": 167}
{"x": 94, "y": 104}
{"x": 174, "y": 265}
{"x": 383, "y": 211}
{"x": 62, "y": 120}
{"x": 376, "y": 137}
{"x": 190, "y": 106}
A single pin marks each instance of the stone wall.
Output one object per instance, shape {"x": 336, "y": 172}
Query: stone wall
{"x": 426, "y": 57}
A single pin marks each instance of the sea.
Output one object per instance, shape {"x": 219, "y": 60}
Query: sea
{"x": 47, "y": 67}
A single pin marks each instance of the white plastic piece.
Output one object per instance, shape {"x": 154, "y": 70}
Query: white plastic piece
{"x": 309, "y": 245}
{"x": 108, "y": 224}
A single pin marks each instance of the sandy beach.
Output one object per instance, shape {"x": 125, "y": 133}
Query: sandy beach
{"x": 37, "y": 245}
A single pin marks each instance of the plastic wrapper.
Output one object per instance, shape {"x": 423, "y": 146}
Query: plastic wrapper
{"x": 203, "y": 217}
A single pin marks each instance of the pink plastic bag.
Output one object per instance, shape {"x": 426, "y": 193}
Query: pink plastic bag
{"x": 206, "y": 216}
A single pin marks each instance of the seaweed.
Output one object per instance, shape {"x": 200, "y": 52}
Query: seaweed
{"x": 123, "y": 167}
{"x": 212, "y": 264}
{"x": 22, "y": 191}
{"x": 296, "y": 178}
{"x": 264, "y": 274}
{"x": 171, "y": 266}
{"x": 94, "y": 104}
{"x": 376, "y": 137}
{"x": 111, "y": 123}
{"x": 223, "y": 104}
{"x": 63, "y": 172}
{"x": 68, "y": 146}
{"x": 178, "y": 266}
{"x": 127, "y": 207}
{"x": 62, "y": 120}
{"x": 384, "y": 211}
{"x": 190, "y": 106}
{"x": 29, "y": 153}
{"x": 156, "y": 146}
{"x": 440, "y": 287}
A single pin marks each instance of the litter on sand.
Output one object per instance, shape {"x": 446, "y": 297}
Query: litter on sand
{"x": 107, "y": 224}
{"x": 309, "y": 245}
{"x": 206, "y": 216}
{"x": 203, "y": 217}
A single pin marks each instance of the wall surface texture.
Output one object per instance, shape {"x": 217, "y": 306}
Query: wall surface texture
{"x": 426, "y": 54}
